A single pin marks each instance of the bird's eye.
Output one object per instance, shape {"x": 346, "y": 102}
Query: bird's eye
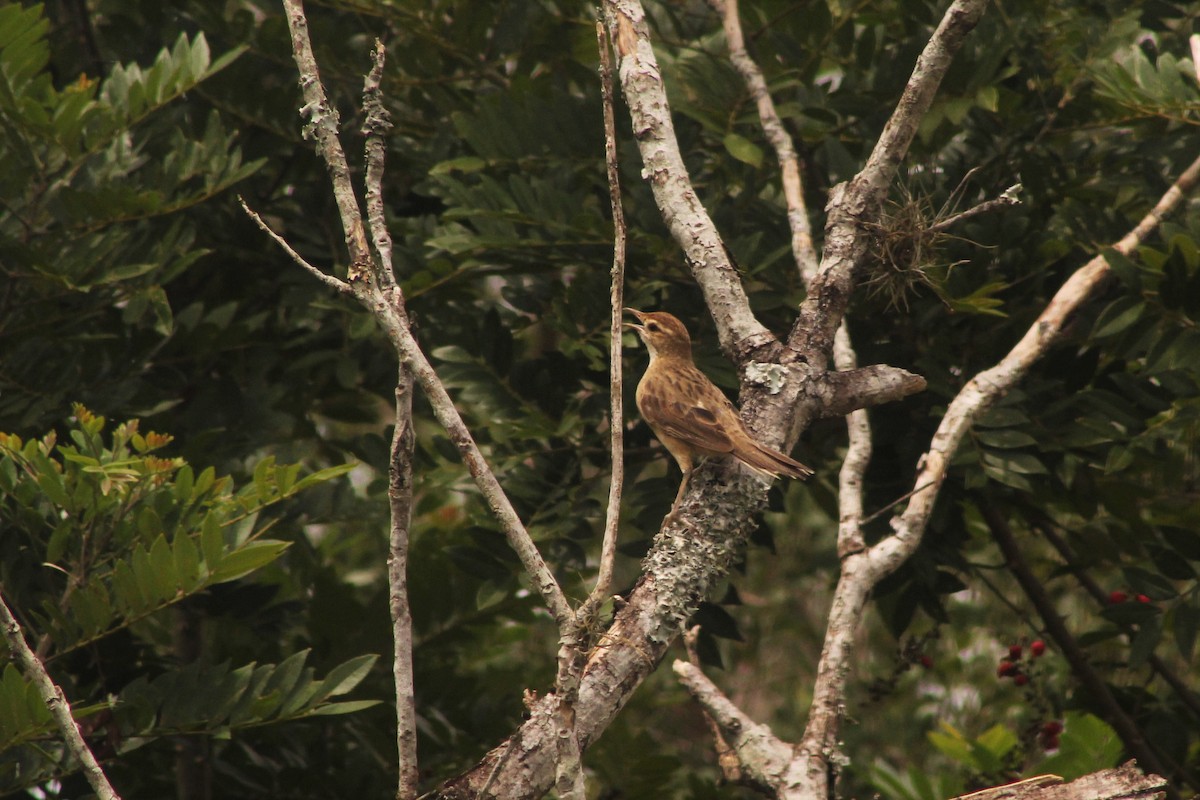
{"x": 652, "y": 326}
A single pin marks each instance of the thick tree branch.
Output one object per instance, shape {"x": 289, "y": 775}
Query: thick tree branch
{"x": 854, "y": 206}
{"x": 52, "y": 695}
{"x": 695, "y": 550}
{"x": 1126, "y": 782}
{"x": 738, "y": 331}
{"x": 765, "y": 760}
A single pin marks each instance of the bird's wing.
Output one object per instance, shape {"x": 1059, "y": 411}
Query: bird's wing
{"x": 698, "y": 418}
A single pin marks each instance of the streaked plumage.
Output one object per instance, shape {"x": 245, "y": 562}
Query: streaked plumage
{"x": 688, "y": 413}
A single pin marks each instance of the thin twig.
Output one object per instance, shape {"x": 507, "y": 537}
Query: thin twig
{"x": 608, "y": 548}
{"x": 1007, "y": 198}
{"x": 336, "y": 284}
{"x": 803, "y": 251}
{"x": 727, "y": 758}
{"x": 52, "y": 695}
{"x": 400, "y": 466}
{"x": 377, "y": 290}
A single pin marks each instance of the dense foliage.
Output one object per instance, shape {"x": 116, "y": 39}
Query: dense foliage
{"x": 134, "y": 285}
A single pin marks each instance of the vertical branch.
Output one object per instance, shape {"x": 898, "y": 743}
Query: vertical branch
{"x": 400, "y": 499}
{"x": 56, "y": 702}
{"x": 400, "y": 473}
{"x": 568, "y": 775}
{"x": 858, "y": 456}
{"x": 608, "y": 548}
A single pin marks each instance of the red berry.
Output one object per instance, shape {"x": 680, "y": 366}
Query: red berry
{"x": 1141, "y": 598}
{"x": 1020, "y": 679}
{"x": 1117, "y": 596}
{"x": 1037, "y": 647}
{"x": 926, "y": 662}
{"x": 1014, "y": 651}
{"x": 1052, "y": 728}
{"x": 1050, "y": 742}
{"x": 1005, "y": 669}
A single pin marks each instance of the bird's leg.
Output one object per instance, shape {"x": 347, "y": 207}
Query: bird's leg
{"x": 683, "y": 484}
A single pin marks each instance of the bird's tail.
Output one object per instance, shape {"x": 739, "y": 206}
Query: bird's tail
{"x": 764, "y": 459}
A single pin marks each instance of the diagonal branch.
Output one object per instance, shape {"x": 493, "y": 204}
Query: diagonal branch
{"x": 985, "y": 388}
{"x": 737, "y": 329}
{"x": 854, "y": 206}
{"x": 375, "y": 287}
{"x": 52, "y": 695}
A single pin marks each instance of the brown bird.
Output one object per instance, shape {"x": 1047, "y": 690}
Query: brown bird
{"x": 688, "y": 413}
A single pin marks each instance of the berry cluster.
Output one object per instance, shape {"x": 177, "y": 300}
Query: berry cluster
{"x": 1010, "y": 667}
{"x": 1048, "y": 734}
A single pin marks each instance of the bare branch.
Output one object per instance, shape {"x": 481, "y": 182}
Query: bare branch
{"x": 336, "y": 284}
{"x": 737, "y": 329}
{"x": 376, "y": 289}
{"x": 608, "y": 549}
{"x": 727, "y": 757}
{"x": 1007, "y": 198}
{"x": 52, "y": 695}
{"x": 986, "y": 387}
{"x": 839, "y": 393}
{"x": 765, "y": 759}
{"x": 322, "y": 125}
{"x": 785, "y": 150}
{"x": 400, "y": 500}
{"x": 1126, "y": 782}
{"x": 376, "y": 127}
{"x": 854, "y": 206}
{"x": 858, "y": 456}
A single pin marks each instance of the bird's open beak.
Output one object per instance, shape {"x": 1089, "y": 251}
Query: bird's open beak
{"x": 641, "y": 316}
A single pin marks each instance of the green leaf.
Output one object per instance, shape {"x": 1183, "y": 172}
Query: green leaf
{"x": 345, "y": 676}
{"x": 1186, "y": 624}
{"x": 1004, "y": 438}
{"x": 1126, "y": 271}
{"x": 743, "y": 149}
{"x": 246, "y": 559}
{"x": 343, "y": 707}
{"x": 1119, "y": 315}
{"x": 465, "y": 164}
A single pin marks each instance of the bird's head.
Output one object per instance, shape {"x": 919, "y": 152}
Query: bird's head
{"x": 663, "y": 334}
